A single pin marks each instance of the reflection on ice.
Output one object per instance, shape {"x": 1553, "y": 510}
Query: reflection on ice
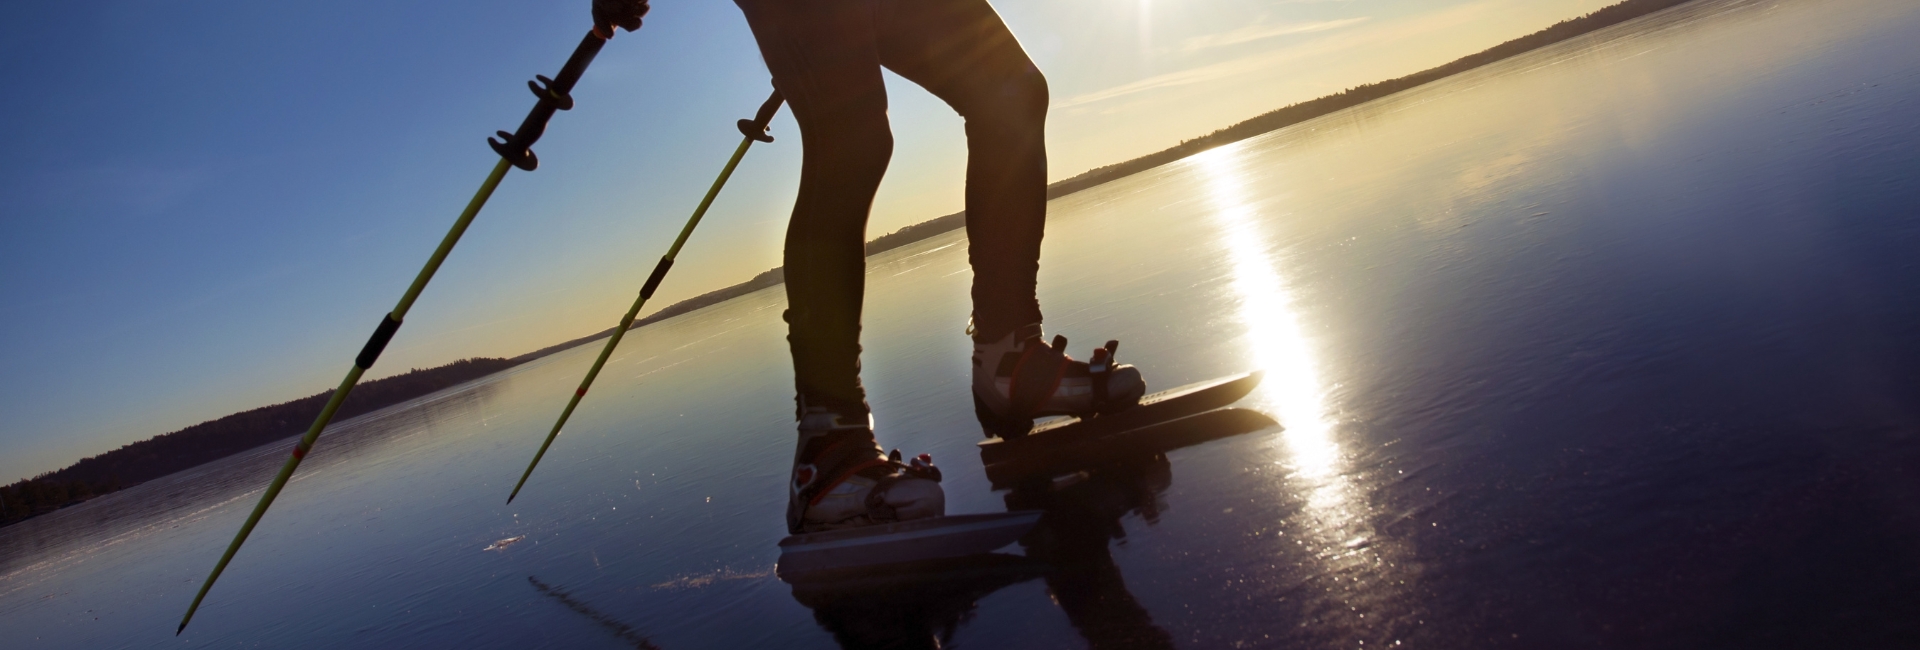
{"x": 1292, "y": 390}
{"x": 1332, "y": 523}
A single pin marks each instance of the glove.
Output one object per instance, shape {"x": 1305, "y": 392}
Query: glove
{"x": 625, "y": 14}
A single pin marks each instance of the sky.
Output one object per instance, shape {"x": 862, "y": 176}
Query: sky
{"x": 207, "y": 205}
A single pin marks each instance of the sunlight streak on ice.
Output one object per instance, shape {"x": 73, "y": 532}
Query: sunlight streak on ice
{"x": 1292, "y": 390}
{"x": 1345, "y": 560}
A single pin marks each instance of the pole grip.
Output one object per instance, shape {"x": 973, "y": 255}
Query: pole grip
{"x": 554, "y": 94}
{"x": 653, "y": 281}
{"x": 378, "y": 342}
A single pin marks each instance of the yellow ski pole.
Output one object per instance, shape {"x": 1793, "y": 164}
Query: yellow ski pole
{"x": 515, "y": 150}
{"x": 754, "y": 129}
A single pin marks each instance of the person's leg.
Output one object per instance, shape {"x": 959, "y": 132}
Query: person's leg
{"x": 961, "y": 52}
{"x": 825, "y": 62}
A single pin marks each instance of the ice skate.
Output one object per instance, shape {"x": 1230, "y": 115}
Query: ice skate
{"x": 1018, "y": 377}
{"x": 841, "y": 479}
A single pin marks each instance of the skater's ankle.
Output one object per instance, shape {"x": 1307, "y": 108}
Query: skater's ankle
{"x": 813, "y": 412}
{"x": 989, "y": 335}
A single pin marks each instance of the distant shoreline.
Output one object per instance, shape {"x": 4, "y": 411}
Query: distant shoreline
{"x": 221, "y": 437}
{"x": 215, "y": 439}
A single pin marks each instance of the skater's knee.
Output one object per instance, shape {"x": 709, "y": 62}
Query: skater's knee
{"x": 1028, "y": 94}
{"x": 853, "y": 153}
{"x": 871, "y": 143}
{"x": 1017, "y": 101}
{"x": 857, "y": 138}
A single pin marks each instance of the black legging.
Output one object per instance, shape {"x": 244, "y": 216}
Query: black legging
{"x": 825, "y": 56}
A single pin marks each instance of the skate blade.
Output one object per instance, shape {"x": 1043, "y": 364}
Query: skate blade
{"x": 1164, "y": 406}
{"x": 906, "y": 541}
{"x": 979, "y": 573}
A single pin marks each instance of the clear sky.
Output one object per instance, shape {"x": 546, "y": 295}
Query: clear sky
{"x": 206, "y": 206}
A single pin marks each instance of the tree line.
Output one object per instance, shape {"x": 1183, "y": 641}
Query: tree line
{"x": 215, "y": 439}
{"x": 1355, "y": 96}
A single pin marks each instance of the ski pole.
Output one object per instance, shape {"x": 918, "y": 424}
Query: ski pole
{"x": 754, "y": 129}
{"x": 515, "y": 149}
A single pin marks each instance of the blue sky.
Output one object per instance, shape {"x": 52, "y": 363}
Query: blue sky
{"x": 206, "y": 205}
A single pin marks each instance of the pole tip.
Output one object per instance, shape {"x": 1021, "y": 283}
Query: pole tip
{"x": 182, "y": 628}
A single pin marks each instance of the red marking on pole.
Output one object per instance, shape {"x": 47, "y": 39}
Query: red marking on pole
{"x": 582, "y": 392}
{"x": 299, "y": 452}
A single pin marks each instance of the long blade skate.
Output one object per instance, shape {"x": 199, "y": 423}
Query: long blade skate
{"x": 906, "y": 541}
{"x": 1164, "y": 406}
{"x": 1073, "y": 455}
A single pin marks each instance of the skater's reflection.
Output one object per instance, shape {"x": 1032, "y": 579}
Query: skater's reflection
{"x": 921, "y": 605}
{"x": 917, "y": 605}
{"x": 1083, "y": 515}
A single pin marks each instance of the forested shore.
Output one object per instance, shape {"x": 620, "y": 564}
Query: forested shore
{"x": 215, "y": 439}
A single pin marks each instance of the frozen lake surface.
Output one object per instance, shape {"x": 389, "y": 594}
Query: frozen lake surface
{"x": 1615, "y": 344}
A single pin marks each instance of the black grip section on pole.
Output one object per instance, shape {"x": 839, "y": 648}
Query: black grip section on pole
{"x": 377, "y": 342}
{"x": 756, "y": 128}
{"x": 653, "y": 281}
{"x": 555, "y": 94}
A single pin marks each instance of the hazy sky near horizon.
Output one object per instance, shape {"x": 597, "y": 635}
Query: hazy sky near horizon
{"x": 208, "y": 205}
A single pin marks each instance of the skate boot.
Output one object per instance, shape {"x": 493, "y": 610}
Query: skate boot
{"x": 841, "y": 479}
{"x": 1018, "y": 378}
